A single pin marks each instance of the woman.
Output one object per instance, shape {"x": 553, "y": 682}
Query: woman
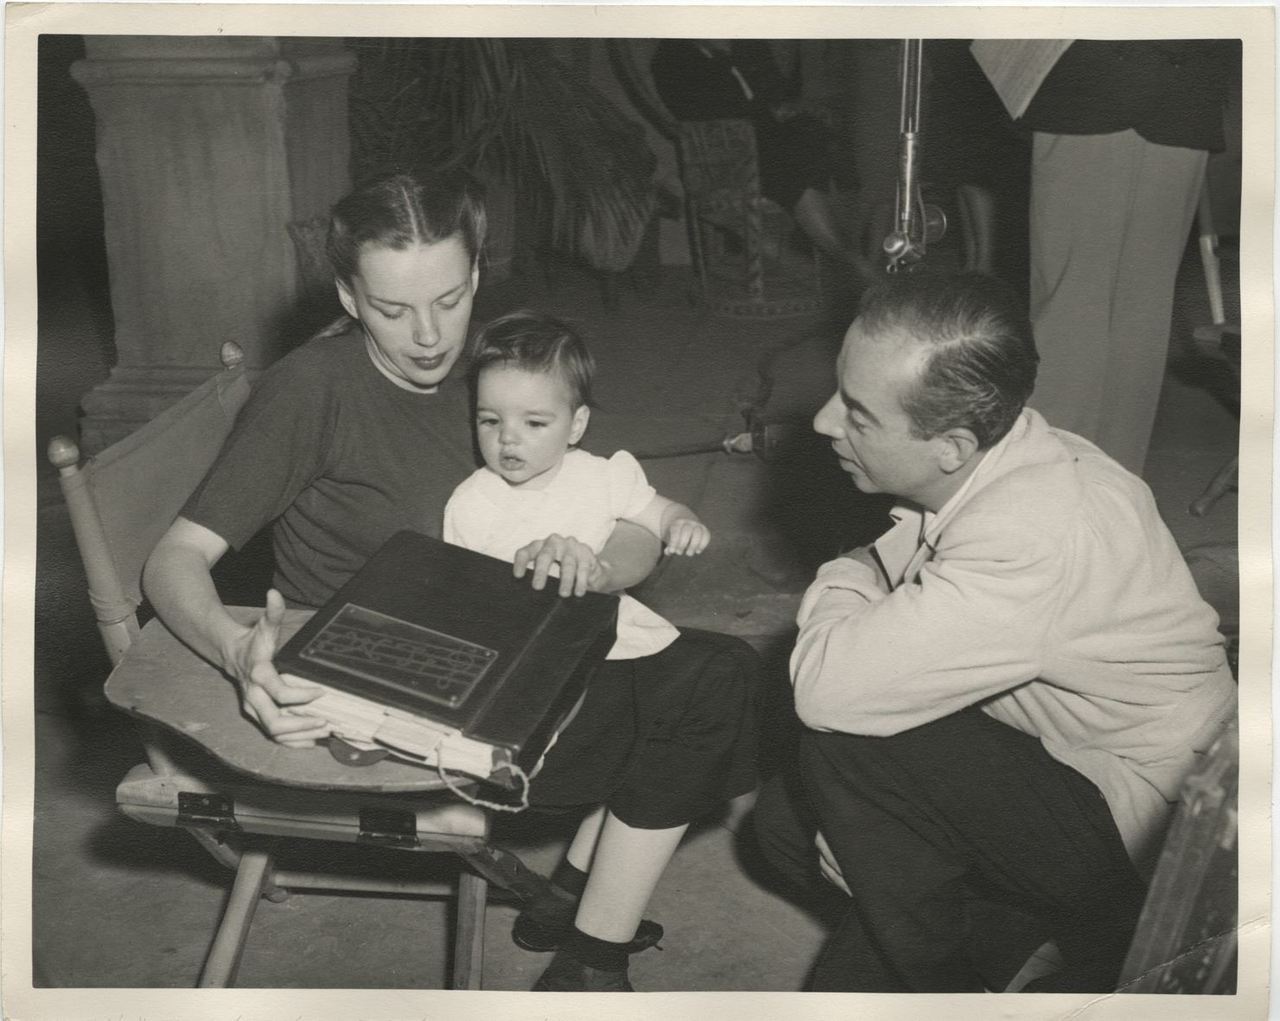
{"x": 364, "y": 431}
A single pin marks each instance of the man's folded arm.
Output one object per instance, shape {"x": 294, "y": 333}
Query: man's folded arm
{"x": 867, "y": 662}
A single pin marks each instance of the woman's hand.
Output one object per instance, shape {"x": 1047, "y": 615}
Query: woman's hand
{"x": 579, "y": 568}
{"x": 180, "y": 587}
{"x": 269, "y": 699}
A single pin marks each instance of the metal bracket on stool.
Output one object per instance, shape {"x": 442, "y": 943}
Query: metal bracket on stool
{"x": 207, "y": 811}
{"x": 388, "y": 827}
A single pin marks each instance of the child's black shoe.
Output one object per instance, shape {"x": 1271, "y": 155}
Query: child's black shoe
{"x": 545, "y": 924}
{"x": 566, "y": 974}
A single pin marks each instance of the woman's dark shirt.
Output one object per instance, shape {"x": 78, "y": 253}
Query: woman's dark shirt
{"x": 338, "y": 458}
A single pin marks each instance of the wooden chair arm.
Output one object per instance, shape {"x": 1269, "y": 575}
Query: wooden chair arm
{"x": 163, "y": 682}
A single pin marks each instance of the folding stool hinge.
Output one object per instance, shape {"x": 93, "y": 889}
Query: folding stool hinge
{"x": 389, "y": 827}
{"x": 208, "y": 811}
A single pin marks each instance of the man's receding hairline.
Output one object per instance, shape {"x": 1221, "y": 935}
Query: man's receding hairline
{"x": 894, "y": 335}
{"x": 899, "y": 338}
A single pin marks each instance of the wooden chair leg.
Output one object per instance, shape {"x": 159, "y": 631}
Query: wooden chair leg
{"x": 253, "y": 876}
{"x": 221, "y": 852}
{"x": 229, "y": 855}
{"x": 468, "y": 946}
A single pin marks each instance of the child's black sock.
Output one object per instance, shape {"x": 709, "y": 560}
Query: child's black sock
{"x": 600, "y": 954}
{"x": 546, "y": 921}
{"x": 569, "y": 878}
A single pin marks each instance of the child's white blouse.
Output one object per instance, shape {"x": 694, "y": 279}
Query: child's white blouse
{"x": 585, "y": 500}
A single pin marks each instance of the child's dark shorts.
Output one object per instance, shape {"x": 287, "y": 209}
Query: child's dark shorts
{"x": 662, "y": 740}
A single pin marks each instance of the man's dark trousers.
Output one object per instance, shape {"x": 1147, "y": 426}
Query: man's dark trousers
{"x": 926, "y": 823}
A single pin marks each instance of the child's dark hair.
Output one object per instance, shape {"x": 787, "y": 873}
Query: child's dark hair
{"x": 536, "y": 342}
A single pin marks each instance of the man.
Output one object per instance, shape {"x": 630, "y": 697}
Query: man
{"x": 1004, "y": 692}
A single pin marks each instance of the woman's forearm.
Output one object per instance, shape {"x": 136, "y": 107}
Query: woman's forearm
{"x": 180, "y": 587}
{"x": 178, "y": 583}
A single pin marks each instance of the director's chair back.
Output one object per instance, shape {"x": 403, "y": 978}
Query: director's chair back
{"x": 211, "y": 771}
{"x": 124, "y": 499}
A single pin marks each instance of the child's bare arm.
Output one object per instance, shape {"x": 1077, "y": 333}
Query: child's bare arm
{"x": 679, "y": 528}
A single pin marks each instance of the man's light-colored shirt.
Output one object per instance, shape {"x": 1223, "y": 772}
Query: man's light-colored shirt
{"x": 1047, "y": 590}
{"x": 585, "y": 500}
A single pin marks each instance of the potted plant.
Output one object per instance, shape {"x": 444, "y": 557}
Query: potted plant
{"x": 578, "y": 173}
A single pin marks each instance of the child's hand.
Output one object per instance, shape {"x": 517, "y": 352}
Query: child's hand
{"x": 577, "y": 565}
{"x": 687, "y": 537}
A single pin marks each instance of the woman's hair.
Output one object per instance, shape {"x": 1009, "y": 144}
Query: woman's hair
{"x": 536, "y": 342}
{"x": 399, "y": 210}
{"x": 981, "y": 359}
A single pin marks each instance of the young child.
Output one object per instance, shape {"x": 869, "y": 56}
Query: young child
{"x": 624, "y": 751}
{"x": 532, "y": 378}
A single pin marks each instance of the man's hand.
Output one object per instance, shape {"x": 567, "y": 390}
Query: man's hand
{"x": 267, "y": 698}
{"x": 580, "y": 569}
{"x": 686, "y": 537}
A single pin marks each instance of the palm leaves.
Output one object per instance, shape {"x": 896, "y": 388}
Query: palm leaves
{"x": 510, "y": 108}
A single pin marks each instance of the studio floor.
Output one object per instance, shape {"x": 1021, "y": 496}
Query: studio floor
{"x": 120, "y": 904}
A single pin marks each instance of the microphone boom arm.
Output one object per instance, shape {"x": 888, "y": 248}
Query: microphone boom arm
{"x": 915, "y": 222}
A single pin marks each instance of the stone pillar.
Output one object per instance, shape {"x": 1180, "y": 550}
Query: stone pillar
{"x": 207, "y": 148}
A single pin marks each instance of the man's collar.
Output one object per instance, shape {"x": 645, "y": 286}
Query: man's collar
{"x": 987, "y": 468}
